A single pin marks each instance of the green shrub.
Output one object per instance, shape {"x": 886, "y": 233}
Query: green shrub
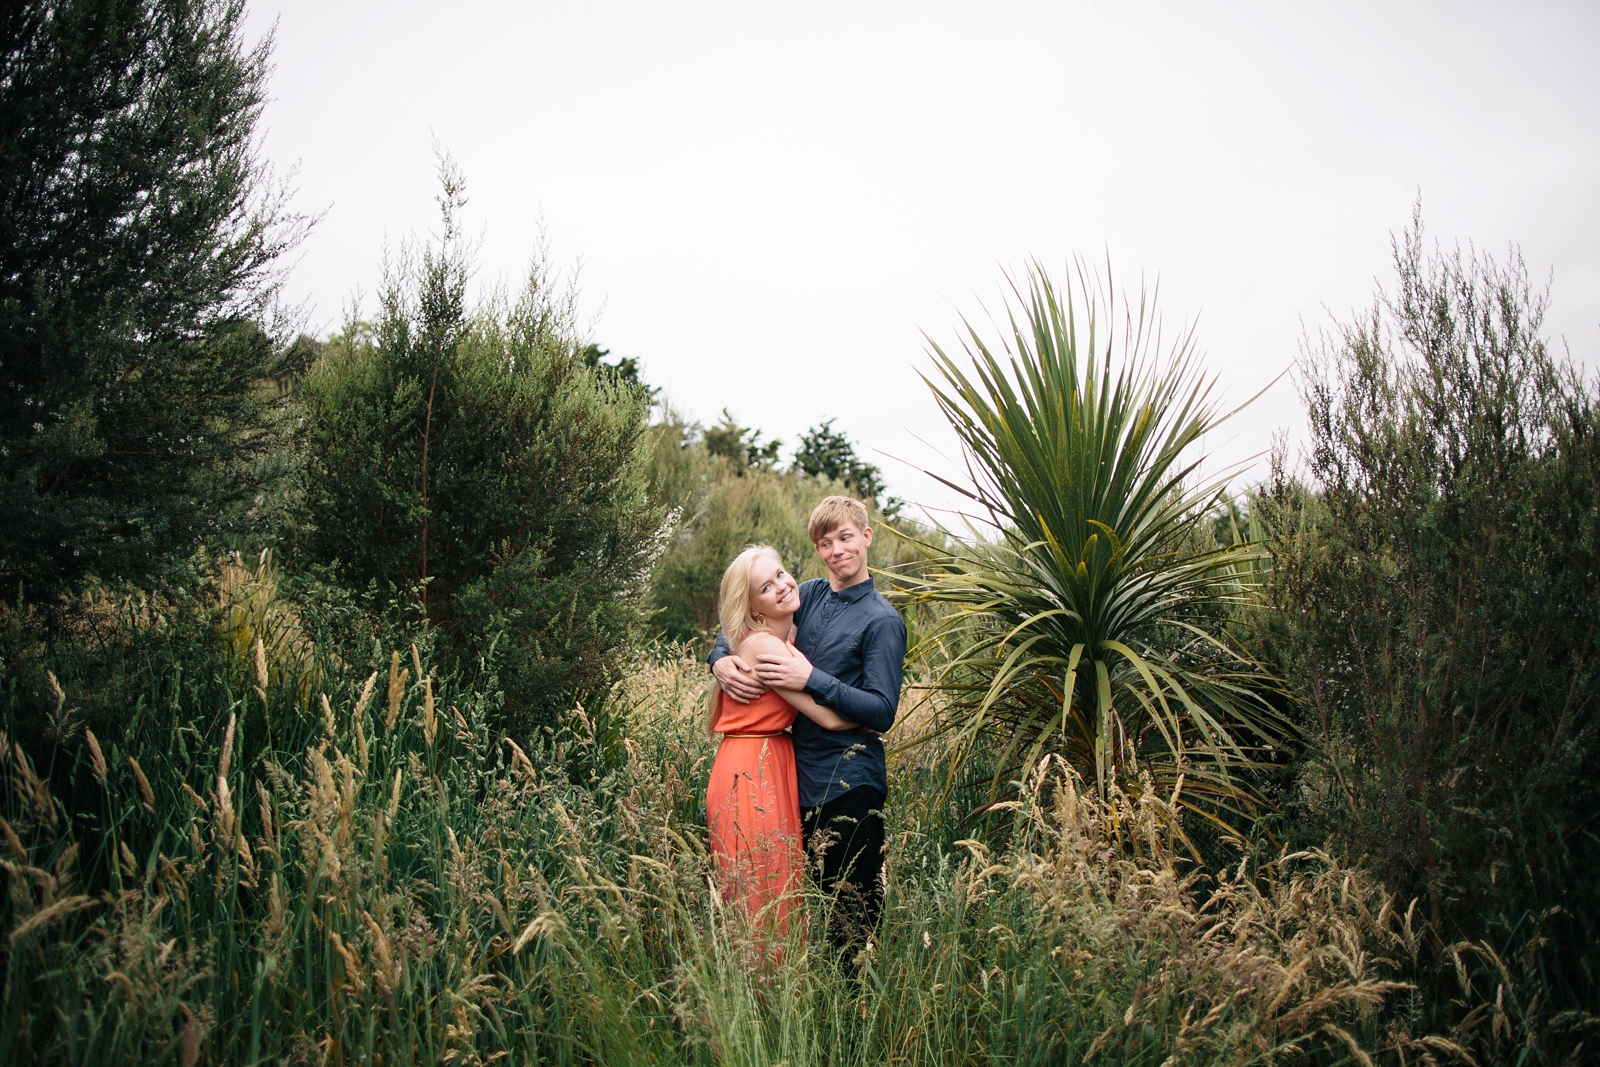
{"x": 473, "y": 457}
{"x": 1435, "y": 610}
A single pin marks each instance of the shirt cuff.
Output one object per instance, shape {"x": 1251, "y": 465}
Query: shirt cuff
{"x": 820, "y": 684}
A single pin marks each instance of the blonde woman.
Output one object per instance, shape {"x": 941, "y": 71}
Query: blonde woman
{"x": 753, "y": 801}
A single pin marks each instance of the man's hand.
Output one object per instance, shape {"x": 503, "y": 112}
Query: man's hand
{"x": 737, "y": 679}
{"x": 784, "y": 672}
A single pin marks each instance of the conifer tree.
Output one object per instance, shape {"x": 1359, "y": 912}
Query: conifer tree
{"x": 828, "y": 453}
{"x": 473, "y": 457}
{"x": 138, "y": 234}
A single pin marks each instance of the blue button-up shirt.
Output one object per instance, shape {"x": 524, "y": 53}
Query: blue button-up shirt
{"x": 856, "y": 644}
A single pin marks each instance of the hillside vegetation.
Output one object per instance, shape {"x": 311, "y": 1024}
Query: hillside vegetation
{"x": 349, "y": 686}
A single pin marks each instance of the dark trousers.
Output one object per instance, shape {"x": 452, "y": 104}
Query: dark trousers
{"x": 844, "y": 844}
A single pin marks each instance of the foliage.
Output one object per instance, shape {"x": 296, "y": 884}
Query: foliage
{"x": 1093, "y": 625}
{"x": 625, "y": 369}
{"x": 741, "y": 445}
{"x": 826, "y": 453}
{"x": 720, "y": 505}
{"x": 735, "y": 511}
{"x": 471, "y": 456}
{"x": 1436, "y": 610}
{"x": 138, "y": 235}
{"x": 290, "y": 878}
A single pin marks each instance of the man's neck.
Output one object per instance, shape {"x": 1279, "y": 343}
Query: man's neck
{"x": 849, "y": 583}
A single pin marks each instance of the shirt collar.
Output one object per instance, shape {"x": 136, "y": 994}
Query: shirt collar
{"x": 854, "y": 592}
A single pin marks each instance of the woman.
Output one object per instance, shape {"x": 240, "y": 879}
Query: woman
{"x": 753, "y": 802}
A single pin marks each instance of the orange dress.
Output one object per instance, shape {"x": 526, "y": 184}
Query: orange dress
{"x": 753, "y": 807}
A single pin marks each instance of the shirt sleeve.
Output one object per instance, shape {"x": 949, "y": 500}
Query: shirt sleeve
{"x": 883, "y": 660}
{"x": 718, "y": 650}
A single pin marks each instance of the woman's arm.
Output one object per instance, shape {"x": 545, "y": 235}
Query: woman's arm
{"x": 806, "y": 705}
{"x": 798, "y": 699}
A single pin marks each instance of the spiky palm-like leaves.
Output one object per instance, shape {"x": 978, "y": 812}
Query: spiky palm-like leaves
{"x": 1092, "y": 625}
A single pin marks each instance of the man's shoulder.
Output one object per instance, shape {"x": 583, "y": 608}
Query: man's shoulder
{"x": 811, "y": 585}
{"x": 878, "y": 606}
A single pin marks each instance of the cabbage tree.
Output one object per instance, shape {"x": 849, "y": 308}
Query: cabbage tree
{"x": 1089, "y": 618}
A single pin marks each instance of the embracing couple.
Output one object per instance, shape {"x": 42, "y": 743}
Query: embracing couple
{"x": 824, "y": 658}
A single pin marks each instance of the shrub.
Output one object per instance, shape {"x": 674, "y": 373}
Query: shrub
{"x": 471, "y": 456}
{"x": 1435, "y": 612}
{"x": 1093, "y": 623}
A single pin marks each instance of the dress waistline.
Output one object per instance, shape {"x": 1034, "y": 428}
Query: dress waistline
{"x": 769, "y": 733}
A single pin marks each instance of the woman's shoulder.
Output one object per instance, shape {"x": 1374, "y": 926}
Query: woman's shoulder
{"x": 761, "y": 642}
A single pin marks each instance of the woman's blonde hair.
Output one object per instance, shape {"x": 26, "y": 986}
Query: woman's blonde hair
{"x": 733, "y": 612}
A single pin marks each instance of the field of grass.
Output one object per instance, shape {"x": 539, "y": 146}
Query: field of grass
{"x": 336, "y": 862}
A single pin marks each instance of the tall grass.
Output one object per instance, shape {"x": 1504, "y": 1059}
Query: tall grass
{"x": 385, "y": 881}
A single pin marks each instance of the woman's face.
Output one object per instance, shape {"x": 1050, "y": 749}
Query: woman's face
{"x": 774, "y": 595}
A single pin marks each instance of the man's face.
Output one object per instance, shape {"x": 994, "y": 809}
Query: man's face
{"x": 844, "y": 550}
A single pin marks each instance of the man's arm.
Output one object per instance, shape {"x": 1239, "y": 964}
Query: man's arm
{"x": 883, "y": 658}
{"x": 718, "y": 650}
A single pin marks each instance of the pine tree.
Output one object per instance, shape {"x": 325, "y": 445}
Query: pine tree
{"x": 827, "y": 453}
{"x": 138, "y": 234}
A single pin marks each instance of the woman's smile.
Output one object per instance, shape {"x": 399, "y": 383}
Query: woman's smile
{"x": 773, "y": 591}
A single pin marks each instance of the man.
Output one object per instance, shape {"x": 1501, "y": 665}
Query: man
{"x": 852, "y": 648}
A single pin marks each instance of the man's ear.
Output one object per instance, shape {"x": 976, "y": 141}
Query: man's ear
{"x": 866, "y": 535}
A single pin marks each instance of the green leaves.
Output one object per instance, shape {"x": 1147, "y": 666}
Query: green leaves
{"x": 138, "y": 273}
{"x": 1091, "y": 621}
{"x": 469, "y": 456}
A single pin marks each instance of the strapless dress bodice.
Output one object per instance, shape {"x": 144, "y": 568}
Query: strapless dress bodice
{"x": 767, "y": 714}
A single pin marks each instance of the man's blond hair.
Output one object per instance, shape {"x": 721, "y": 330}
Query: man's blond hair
{"x": 834, "y": 512}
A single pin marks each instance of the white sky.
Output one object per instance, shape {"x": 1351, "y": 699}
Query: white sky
{"x": 772, "y": 202}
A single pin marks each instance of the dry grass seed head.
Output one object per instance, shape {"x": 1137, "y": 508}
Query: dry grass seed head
{"x": 261, "y": 664}
{"x": 225, "y": 761}
{"x": 397, "y": 688}
{"x": 37, "y": 793}
{"x": 394, "y": 796}
{"x": 146, "y": 795}
{"x": 224, "y": 818}
{"x": 45, "y": 916}
{"x": 366, "y": 695}
{"x": 96, "y": 759}
{"x": 265, "y": 806}
{"x": 430, "y": 724}
{"x": 13, "y": 840}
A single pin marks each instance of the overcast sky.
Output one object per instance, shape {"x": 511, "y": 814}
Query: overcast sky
{"x": 773, "y": 202}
